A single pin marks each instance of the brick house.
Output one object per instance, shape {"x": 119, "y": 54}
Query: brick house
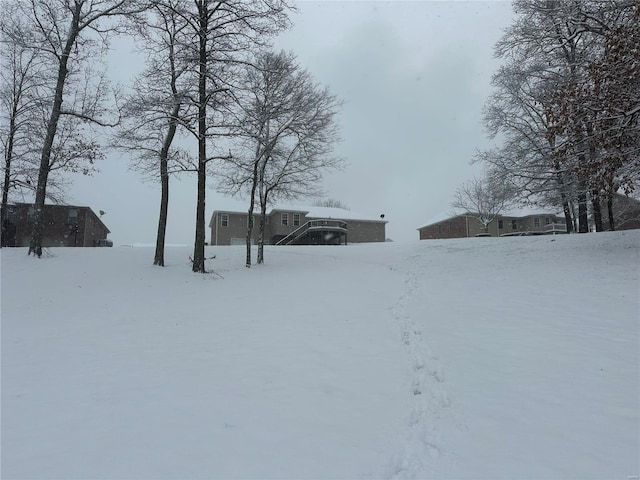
{"x": 511, "y": 224}
{"x": 65, "y": 226}
{"x": 298, "y": 226}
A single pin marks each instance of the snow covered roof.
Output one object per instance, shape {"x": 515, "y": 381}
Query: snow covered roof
{"x": 327, "y": 212}
{"x": 526, "y": 211}
{"x": 315, "y": 212}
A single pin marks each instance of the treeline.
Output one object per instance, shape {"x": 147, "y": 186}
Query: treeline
{"x": 565, "y": 107}
{"x": 256, "y": 119}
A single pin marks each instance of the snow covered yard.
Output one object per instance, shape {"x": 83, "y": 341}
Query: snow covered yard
{"x": 476, "y": 358}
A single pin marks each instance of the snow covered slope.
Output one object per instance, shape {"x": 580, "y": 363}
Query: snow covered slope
{"x": 476, "y": 358}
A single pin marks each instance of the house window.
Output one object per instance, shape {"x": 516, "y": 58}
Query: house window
{"x": 514, "y": 224}
{"x": 500, "y": 224}
{"x": 536, "y": 222}
{"x": 224, "y": 220}
{"x": 547, "y": 220}
{"x": 296, "y": 219}
{"x": 285, "y": 219}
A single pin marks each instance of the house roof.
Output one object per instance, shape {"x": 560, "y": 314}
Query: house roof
{"x": 55, "y": 205}
{"x": 519, "y": 212}
{"x": 314, "y": 212}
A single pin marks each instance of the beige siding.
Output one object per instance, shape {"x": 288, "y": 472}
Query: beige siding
{"x": 359, "y": 231}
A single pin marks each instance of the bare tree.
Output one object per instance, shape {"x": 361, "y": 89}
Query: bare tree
{"x": 67, "y": 34}
{"x": 289, "y": 126}
{"x": 23, "y": 77}
{"x": 156, "y": 107}
{"x": 484, "y": 199}
{"x": 222, "y": 35}
{"x": 546, "y": 106}
{"x": 330, "y": 203}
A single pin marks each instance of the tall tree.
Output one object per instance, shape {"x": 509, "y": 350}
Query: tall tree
{"x": 223, "y": 33}
{"x": 156, "y": 107}
{"x": 544, "y": 104}
{"x": 288, "y": 123}
{"x": 68, "y": 34}
{"x": 20, "y": 79}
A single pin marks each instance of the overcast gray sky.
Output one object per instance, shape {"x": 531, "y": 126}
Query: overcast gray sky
{"x": 414, "y": 75}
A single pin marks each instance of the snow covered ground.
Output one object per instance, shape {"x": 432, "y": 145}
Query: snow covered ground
{"x": 483, "y": 358}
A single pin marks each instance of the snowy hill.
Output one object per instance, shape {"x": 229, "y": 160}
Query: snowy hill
{"x": 476, "y": 358}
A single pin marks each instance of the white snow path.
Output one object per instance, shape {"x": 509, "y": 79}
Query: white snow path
{"x": 429, "y": 401}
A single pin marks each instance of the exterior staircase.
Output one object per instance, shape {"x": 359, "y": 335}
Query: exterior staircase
{"x": 323, "y": 231}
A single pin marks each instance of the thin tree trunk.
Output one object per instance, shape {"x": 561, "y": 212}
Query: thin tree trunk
{"x": 198, "y": 248}
{"x": 35, "y": 245}
{"x": 263, "y": 218}
{"x": 254, "y": 186}
{"x": 597, "y": 210}
{"x": 583, "y": 216}
{"x": 164, "y": 183}
{"x": 612, "y": 224}
{"x": 7, "y": 173}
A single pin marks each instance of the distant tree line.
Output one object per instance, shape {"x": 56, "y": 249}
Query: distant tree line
{"x": 257, "y": 120}
{"x": 565, "y": 107}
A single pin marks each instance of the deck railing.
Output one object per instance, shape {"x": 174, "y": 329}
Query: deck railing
{"x": 555, "y": 227}
{"x": 313, "y": 225}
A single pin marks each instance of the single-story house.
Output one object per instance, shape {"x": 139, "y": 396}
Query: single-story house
{"x": 64, "y": 226}
{"x": 509, "y": 224}
{"x": 298, "y": 226}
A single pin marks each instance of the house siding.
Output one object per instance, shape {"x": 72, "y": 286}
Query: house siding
{"x": 61, "y": 228}
{"x": 358, "y": 231}
{"x": 455, "y": 227}
{"x": 468, "y": 226}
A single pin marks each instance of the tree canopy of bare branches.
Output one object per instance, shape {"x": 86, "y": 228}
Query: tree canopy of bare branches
{"x": 483, "y": 198}
{"x": 566, "y": 102}
{"x": 288, "y": 128}
{"x": 67, "y": 37}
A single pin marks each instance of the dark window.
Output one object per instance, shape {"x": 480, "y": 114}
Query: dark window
{"x": 224, "y": 220}
{"x": 514, "y": 224}
{"x": 547, "y": 220}
{"x": 296, "y": 219}
{"x": 500, "y": 224}
{"x": 285, "y": 219}
{"x": 536, "y": 222}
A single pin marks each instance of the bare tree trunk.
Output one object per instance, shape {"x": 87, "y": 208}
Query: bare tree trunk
{"x": 198, "y": 249}
{"x": 254, "y": 185}
{"x": 164, "y": 173}
{"x": 7, "y": 172}
{"x": 612, "y": 224}
{"x": 35, "y": 246}
{"x": 597, "y": 210}
{"x": 567, "y": 215}
{"x": 164, "y": 195}
{"x": 583, "y": 216}
{"x": 263, "y": 218}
